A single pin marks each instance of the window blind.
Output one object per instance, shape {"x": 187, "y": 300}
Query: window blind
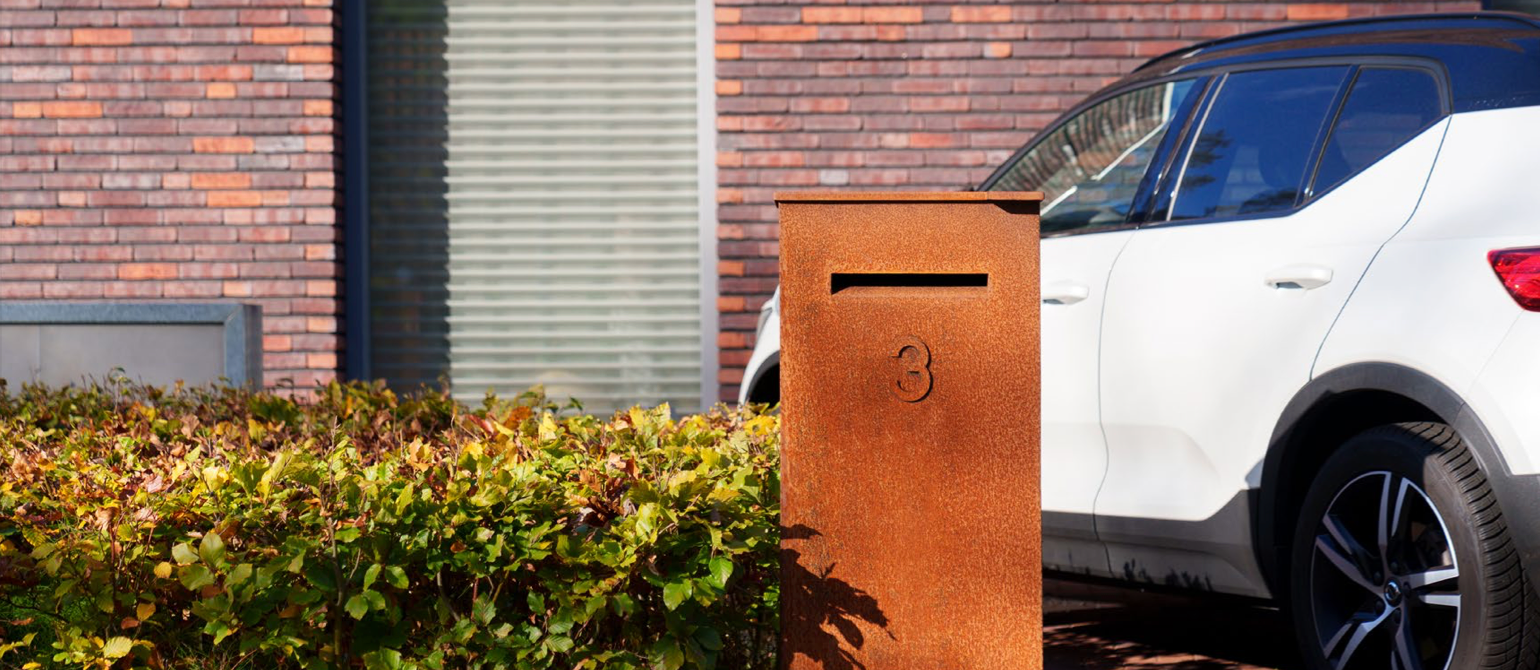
{"x": 533, "y": 192}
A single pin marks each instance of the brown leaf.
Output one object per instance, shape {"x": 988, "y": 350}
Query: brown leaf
{"x": 129, "y": 623}
{"x": 210, "y": 591}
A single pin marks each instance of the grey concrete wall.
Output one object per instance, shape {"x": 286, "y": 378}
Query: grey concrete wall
{"x": 156, "y": 354}
{"x": 65, "y": 343}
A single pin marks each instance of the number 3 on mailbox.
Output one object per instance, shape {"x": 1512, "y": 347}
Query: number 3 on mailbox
{"x": 914, "y": 378}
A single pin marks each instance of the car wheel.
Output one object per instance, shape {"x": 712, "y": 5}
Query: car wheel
{"x": 1402, "y": 560}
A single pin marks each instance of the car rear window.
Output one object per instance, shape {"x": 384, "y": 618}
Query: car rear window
{"x": 1386, "y": 108}
{"x": 1255, "y": 142}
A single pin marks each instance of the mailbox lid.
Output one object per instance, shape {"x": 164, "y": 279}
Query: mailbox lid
{"x": 907, "y": 196}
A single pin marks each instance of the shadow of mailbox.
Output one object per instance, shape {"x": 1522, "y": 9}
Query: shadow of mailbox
{"x": 909, "y": 380}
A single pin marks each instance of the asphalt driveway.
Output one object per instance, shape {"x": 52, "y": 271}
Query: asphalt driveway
{"x": 1083, "y": 631}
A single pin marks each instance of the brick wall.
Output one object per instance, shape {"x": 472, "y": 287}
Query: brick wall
{"x": 923, "y": 95}
{"x": 175, "y": 150}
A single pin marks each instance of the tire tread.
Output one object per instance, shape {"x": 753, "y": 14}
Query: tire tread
{"x": 1513, "y": 617}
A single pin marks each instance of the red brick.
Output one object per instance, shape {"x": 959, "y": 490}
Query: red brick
{"x": 102, "y": 37}
{"x": 224, "y": 145}
{"x": 220, "y": 180}
{"x": 234, "y": 198}
{"x": 831, "y": 14}
{"x": 139, "y": 271}
{"x": 72, "y": 110}
{"x": 892, "y": 15}
{"x": 981, "y": 14}
{"x": 282, "y": 35}
{"x": 309, "y": 54}
{"x": 1317, "y": 12}
{"x": 786, "y": 33}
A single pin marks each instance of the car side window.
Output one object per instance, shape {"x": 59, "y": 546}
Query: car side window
{"x": 1090, "y": 167}
{"x": 1385, "y": 108}
{"x": 1254, "y": 144}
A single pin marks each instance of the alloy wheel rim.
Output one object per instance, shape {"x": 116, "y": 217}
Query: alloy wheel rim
{"x": 1384, "y": 578}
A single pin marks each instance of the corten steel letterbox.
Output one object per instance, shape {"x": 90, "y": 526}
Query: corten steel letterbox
{"x": 909, "y": 391}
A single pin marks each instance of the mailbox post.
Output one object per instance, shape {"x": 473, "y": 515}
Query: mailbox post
{"x": 909, "y": 386}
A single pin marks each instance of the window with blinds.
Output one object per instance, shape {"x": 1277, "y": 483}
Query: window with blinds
{"x": 533, "y": 198}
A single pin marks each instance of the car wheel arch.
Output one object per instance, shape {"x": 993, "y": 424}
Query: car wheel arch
{"x": 1323, "y": 414}
{"x": 765, "y": 380}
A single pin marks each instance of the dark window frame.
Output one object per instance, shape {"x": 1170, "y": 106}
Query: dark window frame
{"x": 355, "y": 188}
{"x": 1170, "y": 187}
{"x": 1309, "y": 193}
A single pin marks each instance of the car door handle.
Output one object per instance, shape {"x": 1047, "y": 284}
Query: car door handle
{"x": 1302, "y": 276}
{"x": 1065, "y": 293}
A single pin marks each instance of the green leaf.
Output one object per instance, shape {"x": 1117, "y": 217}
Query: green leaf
{"x": 321, "y": 577}
{"x": 383, "y": 659}
{"x": 721, "y": 570}
{"x": 371, "y": 574}
{"x": 240, "y": 574}
{"x": 483, "y": 610}
{"x": 709, "y": 639}
{"x": 674, "y": 593}
{"x": 212, "y": 548}
{"x": 219, "y": 629}
{"x": 183, "y": 554}
{"x": 375, "y": 598}
{"x": 666, "y": 655}
{"x": 357, "y": 606}
{"x": 195, "y": 577}
{"x": 396, "y": 577}
{"x": 623, "y": 604}
{"x": 117, "y": 647}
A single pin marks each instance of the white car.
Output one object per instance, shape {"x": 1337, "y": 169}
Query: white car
{"x": 1290, "y": 347}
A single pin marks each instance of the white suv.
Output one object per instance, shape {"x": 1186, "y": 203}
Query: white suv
{"x": 1289, "y": 340}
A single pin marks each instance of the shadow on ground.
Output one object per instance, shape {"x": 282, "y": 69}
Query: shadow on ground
{"x": 1150, "y": 631}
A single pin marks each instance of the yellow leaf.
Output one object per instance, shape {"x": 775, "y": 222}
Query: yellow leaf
{"x": 763, "y": 424}
{"x": 145, "y": 610}
{"x": 163, "y": 571}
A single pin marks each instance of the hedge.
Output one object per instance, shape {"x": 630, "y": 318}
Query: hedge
{"x": 219, "y": 528}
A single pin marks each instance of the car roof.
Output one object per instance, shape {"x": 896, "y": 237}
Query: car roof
{"x": 1492, "y": 58}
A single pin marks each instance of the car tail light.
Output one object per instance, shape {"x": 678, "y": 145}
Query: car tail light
{"x": 1519, "y": 270}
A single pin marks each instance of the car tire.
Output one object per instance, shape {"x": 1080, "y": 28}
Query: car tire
{"x": 1402, "y": 559}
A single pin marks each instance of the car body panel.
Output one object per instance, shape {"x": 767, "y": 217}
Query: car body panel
{"x": 1200, "y": 354}
{"x": 1073, "y": 448}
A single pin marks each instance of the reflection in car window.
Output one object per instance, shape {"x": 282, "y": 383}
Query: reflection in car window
{"x": 1386, "y": 107}
{"x": 1089, "y": 168}
{"x": 1254, "y": 145}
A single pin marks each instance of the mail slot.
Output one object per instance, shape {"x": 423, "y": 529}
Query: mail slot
{"x": 909, "y": 395}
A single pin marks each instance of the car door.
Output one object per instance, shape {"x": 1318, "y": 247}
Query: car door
{"x": 1091, "y": 168}
{"x": 1218, "y": 304}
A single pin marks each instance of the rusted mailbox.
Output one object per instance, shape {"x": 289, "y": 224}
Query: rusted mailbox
{"x": 909, "y": 386}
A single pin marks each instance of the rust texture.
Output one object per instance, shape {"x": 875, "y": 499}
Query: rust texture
{"x": 909, "y": 386}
